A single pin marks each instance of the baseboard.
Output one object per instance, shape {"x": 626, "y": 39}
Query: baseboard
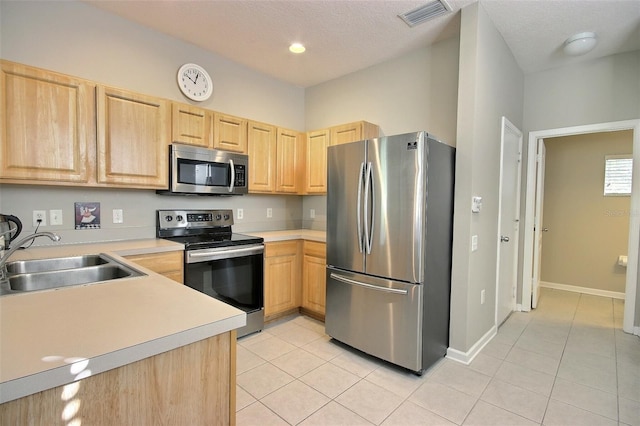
{"x": 467, "y": 357}
{"x": 585, "y": 290}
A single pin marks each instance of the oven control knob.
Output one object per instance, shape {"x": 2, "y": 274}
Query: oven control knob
{"x": 179, "y": 218}
{"x": 218, "y": 217}
{"x": 169, "y": 218}
{"x": 226, "y": 217}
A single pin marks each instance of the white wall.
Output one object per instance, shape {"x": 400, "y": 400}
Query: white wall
{"x": 490, "y": 86}
{"x": 417, "y": 91}
{"x": 75, "y": 38}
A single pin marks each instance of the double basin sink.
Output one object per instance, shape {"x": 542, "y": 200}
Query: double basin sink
{"x": 44, "y": 274}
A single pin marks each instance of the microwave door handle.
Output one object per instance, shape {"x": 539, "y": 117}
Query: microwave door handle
{"x": 233, "y": 176}
{"x": 359, "y": 215}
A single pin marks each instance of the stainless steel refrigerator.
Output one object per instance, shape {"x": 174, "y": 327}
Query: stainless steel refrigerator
{"x": 389, "y": 239}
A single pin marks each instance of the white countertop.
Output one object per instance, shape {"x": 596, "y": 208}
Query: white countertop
{"x": 53, "y": 337}
{"x": 296, "y": 234}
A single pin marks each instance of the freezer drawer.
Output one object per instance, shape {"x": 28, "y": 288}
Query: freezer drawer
{"x": 377, "y": 316}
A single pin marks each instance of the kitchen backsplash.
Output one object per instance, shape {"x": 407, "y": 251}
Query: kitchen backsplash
{"x": 139, "y": 207}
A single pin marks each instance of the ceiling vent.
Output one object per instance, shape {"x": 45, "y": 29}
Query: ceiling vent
{"x": 425, "y": 12}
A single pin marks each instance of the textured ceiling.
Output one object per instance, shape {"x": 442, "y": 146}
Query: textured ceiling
{"x": 343, "y": 36}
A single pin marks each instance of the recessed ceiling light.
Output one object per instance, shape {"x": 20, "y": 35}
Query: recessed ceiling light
{"x": 579, "y": 44}
{"x": 297, "y": 48}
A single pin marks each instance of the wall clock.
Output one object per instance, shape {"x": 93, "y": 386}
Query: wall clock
{"x": 195, "y": 82}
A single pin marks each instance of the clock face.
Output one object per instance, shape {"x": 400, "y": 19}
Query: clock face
{"x": 195, "y": 82}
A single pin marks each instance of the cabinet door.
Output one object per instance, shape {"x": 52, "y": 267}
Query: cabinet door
{"x": 289, "y": 162}
{"x": 262, "y": 140}
{"x": 281, "y": 277}
{"x": 191, "y": 125}
{"x": 314, "y": 277}
{"x": 170, "y": 265}
{"x": 316, "y": 164}
{"x": 47, "y": 126}
{"x": 133, "y": 135}
{"x": 229, "y": 133}
{"x": 352, "y": 132}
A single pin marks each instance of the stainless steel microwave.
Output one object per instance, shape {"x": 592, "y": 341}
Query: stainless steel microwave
{"x": 203, "y": 171}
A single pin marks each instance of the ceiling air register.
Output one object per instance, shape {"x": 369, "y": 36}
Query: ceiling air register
{"x": 425, "y": 12}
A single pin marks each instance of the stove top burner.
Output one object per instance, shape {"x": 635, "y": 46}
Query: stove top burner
{"x": 200, "y": 229}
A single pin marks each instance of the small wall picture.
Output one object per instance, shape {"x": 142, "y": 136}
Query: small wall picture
{"x": 87, "y": 215}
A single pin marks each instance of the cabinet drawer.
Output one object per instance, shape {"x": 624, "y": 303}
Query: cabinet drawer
{"x": 281, "y": 248}
{"x": 168, "y": 264}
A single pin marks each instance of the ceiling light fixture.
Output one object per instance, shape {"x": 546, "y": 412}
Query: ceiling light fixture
{"x": 296, "y": 48}
{"x": 579, "y": 44}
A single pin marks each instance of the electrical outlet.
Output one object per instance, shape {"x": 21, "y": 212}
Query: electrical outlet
{"x": 118, "y": 216}
{"x": 482, "y": 297}
{"x": 269, "y": 212}
{"x": 312, "y": 213}
{"x": 240, "y": 214}
{"x": 40, "y": 215}
{"x": 474, "y": 243}
{"x": 55, "y": 217}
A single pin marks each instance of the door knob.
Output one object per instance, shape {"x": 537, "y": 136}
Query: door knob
{"x": 504, "y": 239}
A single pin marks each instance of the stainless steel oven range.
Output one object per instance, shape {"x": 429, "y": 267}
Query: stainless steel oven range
{"x": 218, "y": 262}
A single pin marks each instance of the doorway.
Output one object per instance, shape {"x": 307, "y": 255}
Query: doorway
{"x": 532, "y": 232}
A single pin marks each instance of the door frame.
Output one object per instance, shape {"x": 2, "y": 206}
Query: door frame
{"x": 634, "y": 213}
{"x": 508, "y": 125}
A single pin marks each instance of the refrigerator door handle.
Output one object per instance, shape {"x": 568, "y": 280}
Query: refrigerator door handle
{"x": 359, "y": 222}
{"x": 369, "y": 286}
{"x": 368, "y": 189}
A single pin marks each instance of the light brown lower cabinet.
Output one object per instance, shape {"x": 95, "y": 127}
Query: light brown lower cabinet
{"x": 294, "y": 279}
{"x": 281, "y": 278}
{"x": 314, "y": 279}
{"x": 169, "y": 264}
{"x": 191, "y": 385}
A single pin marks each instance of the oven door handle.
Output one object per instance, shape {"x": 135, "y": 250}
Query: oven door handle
{"x": 205, "y": 255}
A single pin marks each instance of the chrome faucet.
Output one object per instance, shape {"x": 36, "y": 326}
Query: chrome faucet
{"x": 18, "y": 244}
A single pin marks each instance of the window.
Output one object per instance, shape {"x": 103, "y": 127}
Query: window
{"x": 618, "y": 170}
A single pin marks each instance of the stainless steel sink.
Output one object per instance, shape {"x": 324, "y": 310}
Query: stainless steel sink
{"x": 44, "y": 274}
{"x": 42, "y": 265}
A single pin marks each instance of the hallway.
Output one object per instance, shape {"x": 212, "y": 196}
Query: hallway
{"x": 566, "y": 363}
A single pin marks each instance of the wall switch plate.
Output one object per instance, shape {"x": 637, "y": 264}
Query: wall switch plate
{"x": 312, "y": 213}
{"x": 118, "y": 216}
{"x": 55, "y": 217}
{"x": 240, "y": 214}
{"x": 40, "y": 215}
{"x": 474, "y": 243}
{"x": 269, "y": 212}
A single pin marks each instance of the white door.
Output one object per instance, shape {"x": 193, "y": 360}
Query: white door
{"x": 508, "y": 220}
{"x": 538, "y": 229}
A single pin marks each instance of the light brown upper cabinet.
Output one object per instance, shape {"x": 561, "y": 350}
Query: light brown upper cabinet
{"x": 229, "y": 133}
{"x": 262, "y": 157}
{"x": 191, "y": 125}
{"x": 316, "y": 164}
{"x": 47, "y": 126}
{"x": 315, "y": 181}
{"x": 352, "y": 132}
{"x": 134, "y": 132}
{"x": 290, "y": 161}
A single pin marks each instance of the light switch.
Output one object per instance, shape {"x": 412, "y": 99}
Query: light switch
{"x": 118, "y": 216}
{"x": 474, "y": 243}
{"x": 476, "y": 204}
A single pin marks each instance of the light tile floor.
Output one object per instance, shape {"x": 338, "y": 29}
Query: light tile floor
{"x": 566, "y": 363}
